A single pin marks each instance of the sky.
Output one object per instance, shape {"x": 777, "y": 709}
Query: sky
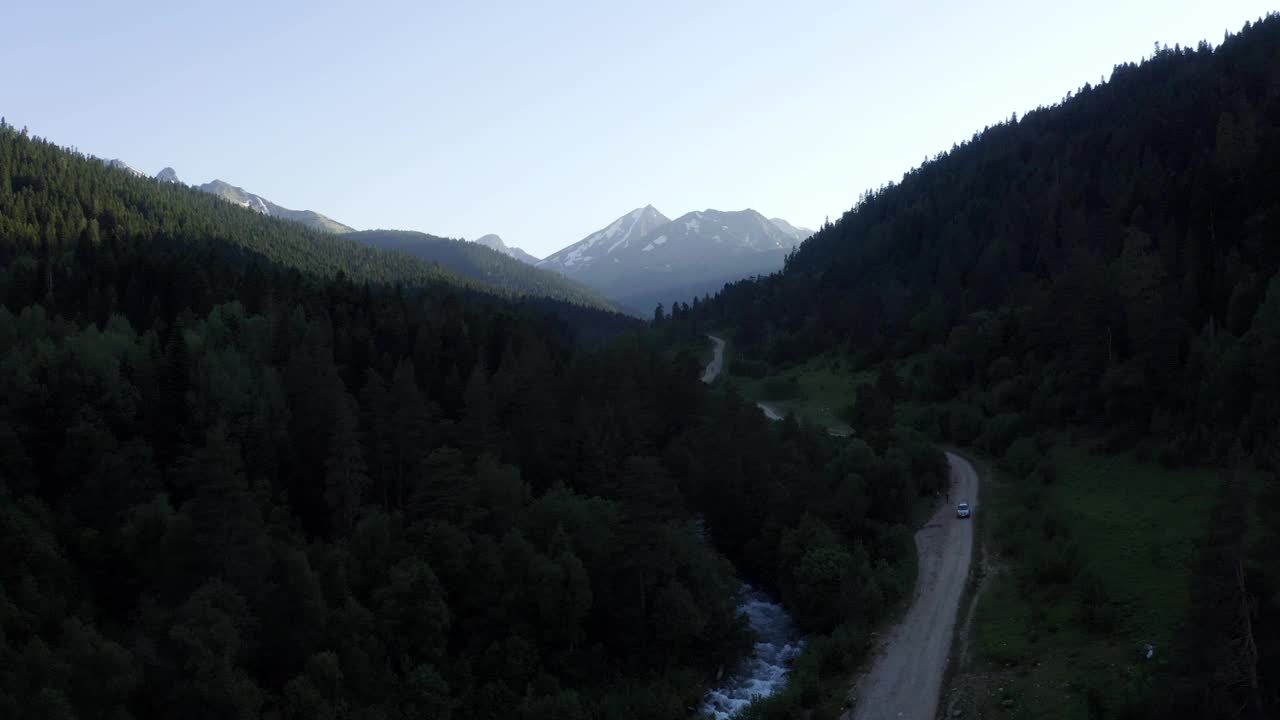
{"x": 544, "y": 121}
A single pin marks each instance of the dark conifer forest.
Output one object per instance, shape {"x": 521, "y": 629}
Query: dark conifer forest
{"x": 1110, "y": 264}
{"x": 483, "y": 264}
{"x": 248, "y": 470}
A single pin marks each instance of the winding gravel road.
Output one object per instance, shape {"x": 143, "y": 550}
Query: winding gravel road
{"x": 906, "y": 679}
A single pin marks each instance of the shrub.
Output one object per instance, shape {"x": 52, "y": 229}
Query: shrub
{"x": 1097, "y": 608}
{"x": 1002, "y": 368}
{"x": 1046, "y": 472}
{"x": 748, "y": 368}
{"x": 779, "y": 388}
{"x": 1000, "y": 432}
{"x": 1022, "y": 457}
{"x": 961, "y": 423}
{"x": 923, "y": 419}
{"x": 1054, "y": 563}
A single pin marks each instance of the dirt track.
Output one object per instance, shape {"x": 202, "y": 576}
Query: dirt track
{"x": 905, "y": 681}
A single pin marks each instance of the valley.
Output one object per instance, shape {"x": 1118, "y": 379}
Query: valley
{"x": 999, "y": 440}
{"x": 908, "y": 664}
{"x": 777, "y": 641}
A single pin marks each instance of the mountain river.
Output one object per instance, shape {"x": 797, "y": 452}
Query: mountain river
{"x": 777, "y": 640}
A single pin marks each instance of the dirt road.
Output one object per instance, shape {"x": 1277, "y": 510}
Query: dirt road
{"x": 770, "y": 411}
{"x": 905, "y": 680}
{"x": 713, "y": 368}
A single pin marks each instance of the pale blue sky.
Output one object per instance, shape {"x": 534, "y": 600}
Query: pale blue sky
{"x": 543, "y": 121}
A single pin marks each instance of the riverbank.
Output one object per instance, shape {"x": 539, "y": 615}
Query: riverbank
{"x": 778, "y": 642}
{"x": 910, "y": 655}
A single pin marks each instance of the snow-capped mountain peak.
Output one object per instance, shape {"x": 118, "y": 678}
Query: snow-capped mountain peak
{"x": 799, "y": 233}
{"x": 643, "y": 254}
{"x": 617, "y": 236}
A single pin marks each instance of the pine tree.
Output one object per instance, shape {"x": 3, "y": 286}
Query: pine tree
{"x": 478, "y": 419}
{"x": 409, "y": 431}
{"x": 346, "y": 477}
{"x": 227, "y": 525}
{"x": 375, "y": 421}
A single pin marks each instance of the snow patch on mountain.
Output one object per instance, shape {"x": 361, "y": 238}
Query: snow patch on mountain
{"x": 800, "y": 234}
{"x": 629, "y": 228}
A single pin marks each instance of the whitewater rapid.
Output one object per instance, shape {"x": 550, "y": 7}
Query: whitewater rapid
{"x": 778, "y": 643}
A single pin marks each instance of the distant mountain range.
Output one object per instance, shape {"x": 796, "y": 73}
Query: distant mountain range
{"x": 493, "y": 242}
{"x": 637, "y": 261}
{"x": 643, "y": 257}
{"x": 799, "y": 233}
{"x": 244, "y": 198}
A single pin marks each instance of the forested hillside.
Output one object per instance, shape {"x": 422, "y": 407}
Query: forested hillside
{"x": 1109, "y": 263}
{"x": 53, "y": 201}
{"x": 240, "y": 478}
{"x": 484, "y": 264}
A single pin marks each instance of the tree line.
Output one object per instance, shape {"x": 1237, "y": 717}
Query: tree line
{"x": 485, "y": 265}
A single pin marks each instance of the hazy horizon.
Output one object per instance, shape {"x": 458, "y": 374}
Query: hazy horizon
{"x": 543, "y": 125}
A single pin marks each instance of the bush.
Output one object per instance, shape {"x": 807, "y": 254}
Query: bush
{"x": 1054, "y": 563}
{"x": 1000, "y": 432}
{"x": 1172, "y": 453}
{"x": 782, "y": 706}
{"x": 748, "y": 368}
{"x": 923, "y": 419}
{"x": 1097, "y": 607}
{"x": 1022, "y": 457}
{"x": 1002, "y": 368}
{"x": 961, "y": 423}
{"x": 779, "y": 388}
{"x": 1046, "y": 473}
{"x": 846, "y": 413}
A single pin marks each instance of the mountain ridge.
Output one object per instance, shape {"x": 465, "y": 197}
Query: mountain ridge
{"x": 484, "y": 264}
{"x": 494, "y": 242}
{"x": 243, "y": 198}
{"x": 645, "y": 257}
{"x": 253, "y": 201}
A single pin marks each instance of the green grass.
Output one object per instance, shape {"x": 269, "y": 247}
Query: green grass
{"x": 1140, "y": 526}
{"x": 816, "y": 391}
{"x": 1136, "y": 527}
{"x": 700, "y": 347}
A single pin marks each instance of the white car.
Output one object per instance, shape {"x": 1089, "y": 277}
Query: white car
{"x": 962, "y": 510}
